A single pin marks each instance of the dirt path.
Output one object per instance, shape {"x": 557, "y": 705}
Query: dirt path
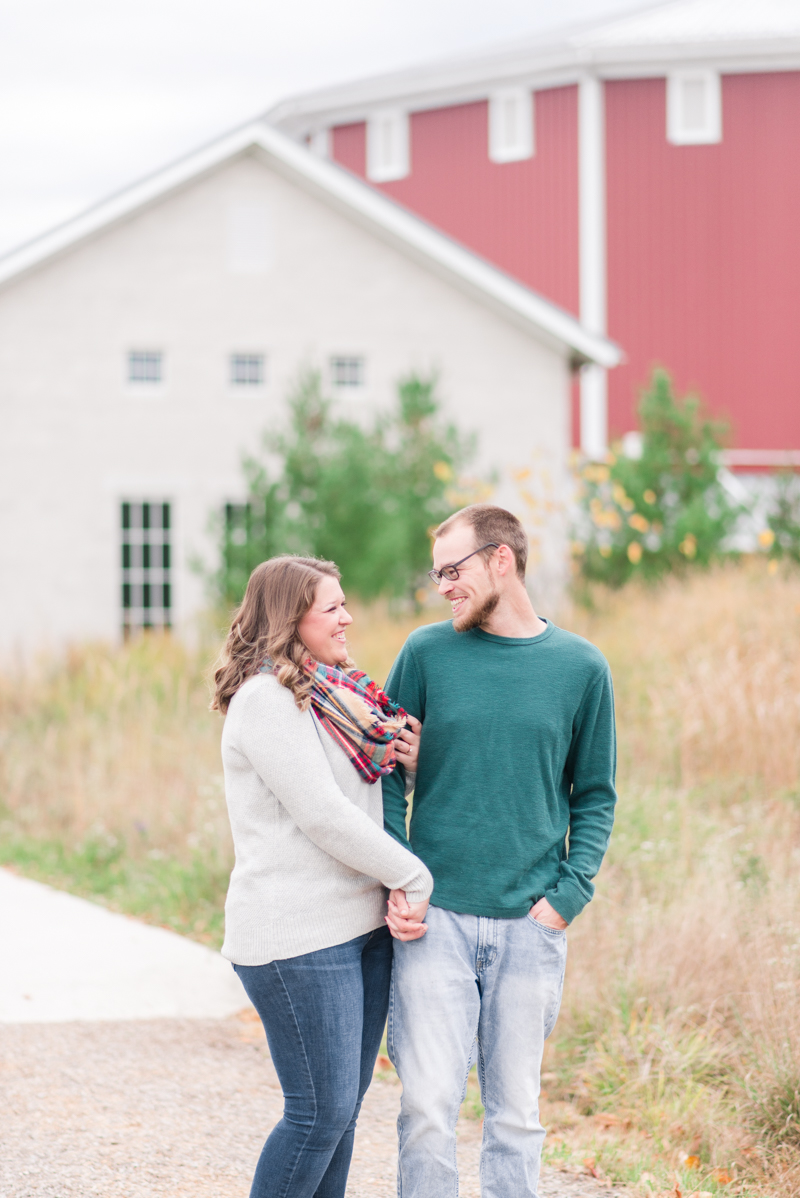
{"x": 172, "y": 1108}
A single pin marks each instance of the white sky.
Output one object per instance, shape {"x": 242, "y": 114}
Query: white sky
{"x": 95, "y": 93}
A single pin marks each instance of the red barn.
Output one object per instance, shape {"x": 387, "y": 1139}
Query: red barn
{"x": 642, "y": 173}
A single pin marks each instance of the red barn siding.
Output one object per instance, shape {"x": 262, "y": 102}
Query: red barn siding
{"x": 350, "y": 147}
{"x": 704, "y": 254}
{"x": 522, "y": 216}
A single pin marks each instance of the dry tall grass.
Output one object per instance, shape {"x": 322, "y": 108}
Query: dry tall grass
{"x": 682, "y": 1003}
{"x": 680, "y": 1011}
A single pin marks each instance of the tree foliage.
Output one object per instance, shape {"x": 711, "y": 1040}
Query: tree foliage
{"x": 662, "y": 511}
{"x": 364, "y": 495}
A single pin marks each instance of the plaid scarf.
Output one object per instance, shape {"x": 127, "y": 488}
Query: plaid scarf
{"x": 358, "y": 715}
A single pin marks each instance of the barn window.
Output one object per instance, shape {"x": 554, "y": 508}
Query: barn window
{"x": 319, "y": 143}
{"x": 694, "y": 108}
{"x": 387, "y": 146}
{"x": 347, "y": 373}
{"x": 247, "y": 370}
{"x": 511, "y": 133}
{"x": 146, "y": 549}
{"x": 145, "y": 366}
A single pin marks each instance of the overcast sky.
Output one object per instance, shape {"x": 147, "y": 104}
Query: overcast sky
{"x": 95, "y": 93}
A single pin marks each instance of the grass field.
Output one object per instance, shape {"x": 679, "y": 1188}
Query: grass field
{"x": 676, "y": 1059}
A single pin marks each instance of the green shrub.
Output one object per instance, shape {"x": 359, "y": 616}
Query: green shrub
{"x": 362, "y": 495}
{"x": 662, "y": 511}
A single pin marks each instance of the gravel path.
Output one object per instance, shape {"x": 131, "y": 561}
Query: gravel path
{"x": 173, "y": 1108}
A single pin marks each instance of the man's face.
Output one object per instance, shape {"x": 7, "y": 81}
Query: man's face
{"x": 473, "y": 596}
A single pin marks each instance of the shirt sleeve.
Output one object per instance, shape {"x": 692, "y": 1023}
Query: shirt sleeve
{"x": 286, "y": 753}
{"x": 591, "y": 768}
{"x": 404, "y": 687}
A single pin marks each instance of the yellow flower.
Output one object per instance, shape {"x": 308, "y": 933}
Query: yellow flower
{"x": 766, "y": 538}
{"x": 688, "y": 545}
{"x": 772, "y": 568}
{"x": 639, "y": 522}
{"x": 634, "y": 553}
{"x": 578, "y": 548}
{"x": 443, "y": 471}
{"x": 649, "y": 496}
{"x": 595, "y": 473}
{"x": 605, "y": 551}
{"x": 521, "y": 475}
{"x": 619, "y": 493}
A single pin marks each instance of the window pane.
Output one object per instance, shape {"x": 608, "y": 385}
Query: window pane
{"x": 146, "y": 559}
{"x": 247, "y": 370}
{"x": 347, "y": 372}
{"x": 144, "y": 366}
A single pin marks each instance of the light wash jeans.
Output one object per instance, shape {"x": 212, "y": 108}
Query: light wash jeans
{"x": 499, "y": 980}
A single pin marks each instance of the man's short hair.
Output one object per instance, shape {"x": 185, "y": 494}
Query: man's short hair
{"x": 491, "y": 523}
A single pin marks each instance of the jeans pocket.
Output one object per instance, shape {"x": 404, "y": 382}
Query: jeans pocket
{"x": 544, "y": 927}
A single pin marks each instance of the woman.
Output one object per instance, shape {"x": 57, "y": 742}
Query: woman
{"x": 305, "y": 742}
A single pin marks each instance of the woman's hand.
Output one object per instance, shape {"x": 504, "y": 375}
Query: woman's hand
{"x": 407, "y": 745}
{"x": 404, "y": 918}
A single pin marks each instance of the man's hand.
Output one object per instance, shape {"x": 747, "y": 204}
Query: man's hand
{"x": 542, "y": 912}
{"x": 407, "y": 746}
{"x": 404, "y": 918}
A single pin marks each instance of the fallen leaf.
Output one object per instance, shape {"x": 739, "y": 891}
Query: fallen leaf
{"x": 692, "y": 1162}
{"x": 722, "y": 1177}
{"x": 590, "y": 1165}
{"x": 383, "y": 1062}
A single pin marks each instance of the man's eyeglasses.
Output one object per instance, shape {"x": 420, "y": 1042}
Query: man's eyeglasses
{"x": 451, "y": 572}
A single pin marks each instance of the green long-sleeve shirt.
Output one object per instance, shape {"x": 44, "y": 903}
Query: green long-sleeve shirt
{"x": 518, "y": 751}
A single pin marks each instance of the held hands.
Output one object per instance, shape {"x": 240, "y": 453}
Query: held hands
{"x": 407, "y": 746}
{"x": 542, "y": 912}
{"x": 404, "y": 918}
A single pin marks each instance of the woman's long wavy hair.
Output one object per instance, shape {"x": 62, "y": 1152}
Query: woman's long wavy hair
{"x": 279, "y": 593}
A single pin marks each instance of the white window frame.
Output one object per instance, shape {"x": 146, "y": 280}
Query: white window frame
{"x": 319, "y": 143}
{"x": 388, "y": 145}
{"x": 710, "y": 132}
{"x": 246, "y": 386}
{"x": 523, "y": 144}
{"x": 348, "y": 361}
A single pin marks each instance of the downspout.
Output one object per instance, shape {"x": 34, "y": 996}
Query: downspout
{"x": 592, "y": 255}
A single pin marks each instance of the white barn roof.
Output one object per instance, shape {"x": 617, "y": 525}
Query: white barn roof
{"x": 361, "y": 203}
{"x": 732, "y": 36}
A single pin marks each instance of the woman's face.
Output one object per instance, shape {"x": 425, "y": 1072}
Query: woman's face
{"x": 322, "y": 628}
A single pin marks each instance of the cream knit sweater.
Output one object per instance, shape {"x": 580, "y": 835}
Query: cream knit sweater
{"x": 312, "y": 859}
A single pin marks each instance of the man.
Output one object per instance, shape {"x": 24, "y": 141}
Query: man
{"x": 517, "y": 754}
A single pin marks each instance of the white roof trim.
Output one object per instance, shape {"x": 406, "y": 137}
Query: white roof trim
{"x": 357, "y": 200}
{"x": 732, "y": 36}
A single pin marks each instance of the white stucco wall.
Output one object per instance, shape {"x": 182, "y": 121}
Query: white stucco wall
{"x": 75, "y": 439}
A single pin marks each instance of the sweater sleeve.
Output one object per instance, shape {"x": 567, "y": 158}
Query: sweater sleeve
{"x": 283, "y": 746}
{"x": 591, "y": 766}
{"x": 404, "y": 687}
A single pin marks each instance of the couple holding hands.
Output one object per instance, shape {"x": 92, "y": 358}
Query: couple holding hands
{"x": 503, "y": 724}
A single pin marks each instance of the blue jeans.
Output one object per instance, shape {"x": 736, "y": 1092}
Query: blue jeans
{"x": 324, "y": 1015}
{"x": 497, "y": 980}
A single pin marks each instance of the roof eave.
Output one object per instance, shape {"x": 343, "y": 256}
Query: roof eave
{"x": 355, "y": 199}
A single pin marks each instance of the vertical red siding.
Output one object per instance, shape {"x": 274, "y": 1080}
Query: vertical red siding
{"x": 522, "y": 216}
{"x": 704, "y": 254}
{"x": 350, "y": 147}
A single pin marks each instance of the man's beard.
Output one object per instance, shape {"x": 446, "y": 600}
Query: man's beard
{"x": 476, "y": 617}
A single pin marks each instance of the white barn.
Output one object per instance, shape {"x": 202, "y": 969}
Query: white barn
{"x": 146, "y": 345}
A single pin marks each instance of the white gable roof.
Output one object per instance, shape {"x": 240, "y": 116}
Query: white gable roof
{"x": 361, "y": 203}
{"x": 730, "y": 35}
